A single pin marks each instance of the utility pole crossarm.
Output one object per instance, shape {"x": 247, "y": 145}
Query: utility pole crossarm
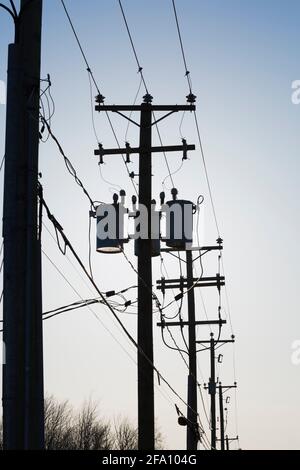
{"x": 217, "y": 281}
{"x": 225, "y": 387}
{"x": 225, "y": 341}
{"x": 195, "y": 248}
{"x": 186, "y": 323}
{"x": 174, "y": 108}
{"x": 137, "y": 150}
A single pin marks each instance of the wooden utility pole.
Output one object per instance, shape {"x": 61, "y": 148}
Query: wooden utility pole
{"x": 191, "y": 283}
{"x": 192, "y": 436}
{"x": 145, "y": 321}
{"x": 146, "y": 419}
{"x": 222, "y": 427}
{"x": 223, "y": 389}
{"x": 212, "y": 389}
{"x": 23, "y": 405}
{"x": 212, "y": 392}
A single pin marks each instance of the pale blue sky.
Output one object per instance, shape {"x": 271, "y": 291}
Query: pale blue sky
{"x": 243, "y": 57}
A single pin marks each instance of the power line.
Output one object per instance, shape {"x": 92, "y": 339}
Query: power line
{"x": 140, "y": 69}
{"x": 8, "y": 10}
{"x": 80, "y": 47}
{"x": 206, "y": 174}
{"x": 89, "y": 70}
{"x": 129, "y": 336}
{"x": 187, "y": 74}
{"x": 69, "y": 165}
{"x": 172, "y": 337}
{"x": 146, "y": 88}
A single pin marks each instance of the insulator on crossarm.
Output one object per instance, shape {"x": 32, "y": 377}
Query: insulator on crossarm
{"x": 99, "y": 99}
{"x": 191, "y": 98}
{"x": 147, "y": 98}
{"x": 100, "y": 154}
{"x": 174, "y": 193}
{"x": 127, "y": 145}
{"x": 184, "y": 149}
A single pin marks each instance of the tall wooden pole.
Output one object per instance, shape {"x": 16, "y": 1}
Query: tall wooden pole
{"x": 23, "y": 415}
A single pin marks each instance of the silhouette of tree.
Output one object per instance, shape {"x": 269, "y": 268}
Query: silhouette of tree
{"x": 66, "y": 429}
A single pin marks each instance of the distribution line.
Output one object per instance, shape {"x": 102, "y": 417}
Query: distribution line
{"x": 8, "y": 10}
{"x": 146, "y": 88}
{"x": 129, "y": 336}
{"x": 187, "y": 73}
{"x": 164, "y": 395}
{"x": 68, "y": 164}
{"x": 140, "y": 69}
{"x": 89, "y": 70}
{"x": 78, "y": 272}
{"x": 177, "y": 348}
{"x": 160, "y": 309}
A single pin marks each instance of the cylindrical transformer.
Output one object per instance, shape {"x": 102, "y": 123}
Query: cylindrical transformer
{"x": 179, "y": 223}
{"x": 110, "y": 227}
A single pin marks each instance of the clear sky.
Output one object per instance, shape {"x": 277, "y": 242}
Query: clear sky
{"x": 243, "y": 58}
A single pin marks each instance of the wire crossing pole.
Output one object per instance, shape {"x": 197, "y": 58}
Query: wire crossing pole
{"x": 145, "y": 320}
{"x": 23, "y": 406}
{"x": 222, "y": 427}
{"x": 192, "y": 435}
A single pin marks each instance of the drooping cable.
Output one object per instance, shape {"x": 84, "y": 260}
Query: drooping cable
{"x": 69, "y": 165}
{"x": 106, "y": 303}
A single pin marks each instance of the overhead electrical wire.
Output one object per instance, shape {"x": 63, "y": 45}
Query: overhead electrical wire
{"x": 170, "y": 174}
{"x": 87, "y": 303}
{"x": 106, "y": 303}
{"x": 8, "y": 10}
{"x": 187, "y": 74}
{"x": 89, "y": 70}
{"x": 160, "y": 310}
{"x": 140, "y": 70}
{"x": 92, "y": 76}
{"x": 68, "y": 164}
{"x": 131, "y": 112}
